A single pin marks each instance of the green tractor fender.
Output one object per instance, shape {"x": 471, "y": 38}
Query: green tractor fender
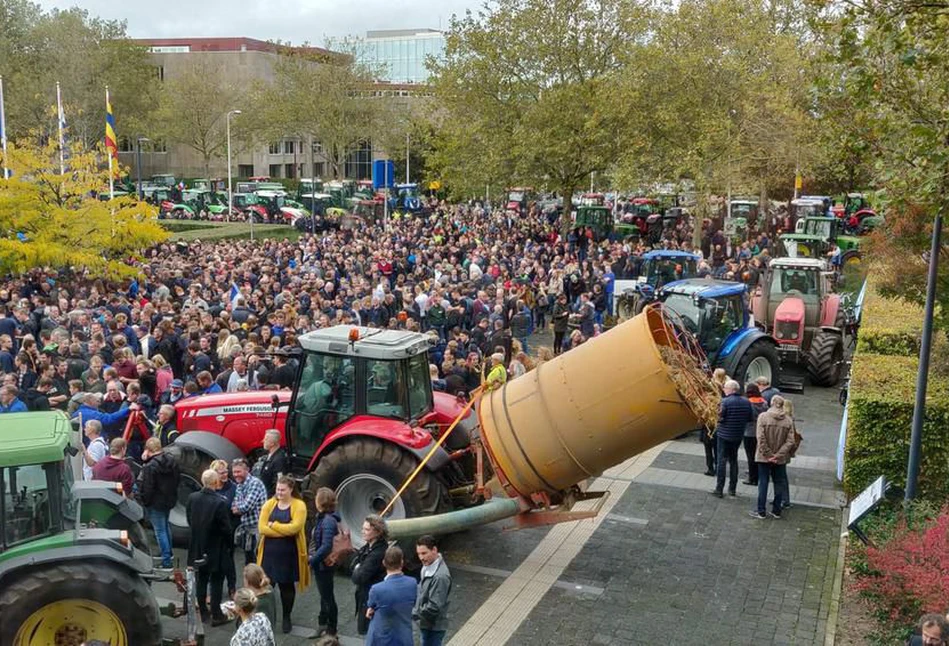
{"x": 848, "y": 243}
{"x": 101, "y": 504}
{"x": 82, "y": 581}
{"x": 183, "y": 207}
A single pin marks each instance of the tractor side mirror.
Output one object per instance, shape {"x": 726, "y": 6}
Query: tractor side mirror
{"x": 275, "y": 402}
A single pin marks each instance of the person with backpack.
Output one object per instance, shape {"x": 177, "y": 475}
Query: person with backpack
{"x": 758, "y": 406}
{"x": 325, "y": 530}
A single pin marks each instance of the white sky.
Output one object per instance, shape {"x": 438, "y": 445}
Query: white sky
{"x": 296, "y": 21}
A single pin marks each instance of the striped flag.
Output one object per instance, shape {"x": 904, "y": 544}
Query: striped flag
{"x": 62, "y": 131}
{"x": 110, "y": 138}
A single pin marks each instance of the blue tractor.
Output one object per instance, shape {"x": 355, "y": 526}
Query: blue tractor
{"x": 717, "y": 313}
{"x": 406, "y": 198}
{"x": 637, "y": 287}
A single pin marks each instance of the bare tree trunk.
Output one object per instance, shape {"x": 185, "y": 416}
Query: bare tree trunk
{"x": 762, "y": 204}
{"x": 566, "y": 221}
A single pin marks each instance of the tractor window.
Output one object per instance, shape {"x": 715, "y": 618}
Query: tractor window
{"x": 719, "y": 319}
{"x": 420, "y": 386}
{"x": 800, "y": 280}
{"x": 326, "y": 398}
{"x": 385, "y": 389}
{"x": 26, "y": 505}
{"x": 819, "y": 228}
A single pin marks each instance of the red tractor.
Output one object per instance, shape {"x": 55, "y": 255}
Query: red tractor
{"x": 794, "y": 302}
{"x": 360, "y": 418}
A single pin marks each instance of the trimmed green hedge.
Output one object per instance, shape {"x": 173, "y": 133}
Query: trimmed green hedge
{"x": 882, "y": 396}
{"x": 889, "y": 326}
{"x": 178, "y": 226}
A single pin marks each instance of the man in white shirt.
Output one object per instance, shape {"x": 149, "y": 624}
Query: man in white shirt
{"x": 97, "y": 449}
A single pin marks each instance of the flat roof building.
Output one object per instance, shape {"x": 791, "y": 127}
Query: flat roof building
{"x": 400, "y": 54}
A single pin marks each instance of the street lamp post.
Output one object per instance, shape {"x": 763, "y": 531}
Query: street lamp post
{"x": 138, "y": 164}
{"x": 230, "y": 200}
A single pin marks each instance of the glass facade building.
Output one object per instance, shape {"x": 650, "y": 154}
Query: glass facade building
{"x": 400, "y": 54}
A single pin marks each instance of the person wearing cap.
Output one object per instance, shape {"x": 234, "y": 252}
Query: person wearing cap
{"x": 497, "y": 376}
{"x": 174, "y": 392}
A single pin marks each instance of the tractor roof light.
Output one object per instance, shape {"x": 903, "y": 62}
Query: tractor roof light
{"x": 124, "y": 538}
{"x": 353, "y": 334}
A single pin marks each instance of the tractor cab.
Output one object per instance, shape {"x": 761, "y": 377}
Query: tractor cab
{"x": 593, "y": 199}
{"x": 407, "y": 197}
{"x": 656, "y": 269}
{"x": 360, "y": 377}
{"x": 741, "y": 215}
{"x": 716, "y": 313}
{"x": 806, "y": 208}
{"x": 164, "y": 180}
{"x": 805, "y": 279}
{"x": 598, "y": 218}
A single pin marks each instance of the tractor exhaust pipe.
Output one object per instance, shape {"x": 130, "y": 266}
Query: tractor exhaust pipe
{"x": 455, "y": 521}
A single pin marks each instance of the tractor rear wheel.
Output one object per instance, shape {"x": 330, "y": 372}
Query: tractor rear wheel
{"x": 628, "y": 307}
{"x": 825, "y": 358}
{"x": 74, "y": 603}
{"x": 191, "y": 464}
{"x": 366, "y": 473}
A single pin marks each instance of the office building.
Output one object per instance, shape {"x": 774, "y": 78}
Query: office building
{"x": 399, "y": 55}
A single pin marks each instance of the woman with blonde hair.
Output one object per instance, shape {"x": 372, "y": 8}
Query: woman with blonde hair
{"x": 226, "y": 343}
{"x": 282, "y": 548}
{"x": 256, "y": 579}
{"x": 255, "y": 628}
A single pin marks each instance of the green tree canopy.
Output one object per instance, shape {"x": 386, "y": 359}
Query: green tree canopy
{"x": 53, "y": 220}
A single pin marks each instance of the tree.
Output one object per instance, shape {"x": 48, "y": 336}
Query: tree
{"x": 893, "y": 60}
{"x": 193, "y": 109}
{"x": 53, "y": 220}
{"x": 322, "y": 96}
{"x": 84, "y": 54}
{"x": 529, "y": 92}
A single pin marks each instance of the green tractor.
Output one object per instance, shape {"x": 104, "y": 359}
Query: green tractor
{"x": 813, "y": 237}
{"x": 199, "y": 202}
{"x": 69, "y": 568}
{"x": 598, "y": 218}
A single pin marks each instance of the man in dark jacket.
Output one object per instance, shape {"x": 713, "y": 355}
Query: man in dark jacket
{"x": 521, "y": 324}
{"x": 431, "y": 606}
{"x": 274, "y": 463}
{"x": 158, "y": 493}
{"x": 210, "y": 522}
{"x": 561, "y": 318}
{"x": 735, "y": 412}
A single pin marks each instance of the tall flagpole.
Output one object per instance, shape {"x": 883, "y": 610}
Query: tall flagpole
{"x": 108, "y": 107}
{"x": 3, "y": 132}
{"x": 62, "y": 140}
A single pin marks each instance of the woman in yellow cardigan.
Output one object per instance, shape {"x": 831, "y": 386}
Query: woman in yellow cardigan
{"x": 282, "y": 548}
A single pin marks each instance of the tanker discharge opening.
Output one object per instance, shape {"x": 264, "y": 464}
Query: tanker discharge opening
{"x": 592, "y": 408}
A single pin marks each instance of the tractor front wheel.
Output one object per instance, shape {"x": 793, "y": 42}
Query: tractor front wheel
{"x": 825, "y": 358}
{"x": 628, "y": 307}
{"x": 366, "y": 473}
{"x": 75, "y": 603}
{"x": 760, "y": 360}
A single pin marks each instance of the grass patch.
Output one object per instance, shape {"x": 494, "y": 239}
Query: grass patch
{"x": 230, "y": 231}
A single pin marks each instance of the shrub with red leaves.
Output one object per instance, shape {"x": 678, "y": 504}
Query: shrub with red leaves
{"x": 909, "y": 574}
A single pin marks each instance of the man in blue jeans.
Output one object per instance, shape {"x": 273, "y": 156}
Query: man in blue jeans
{"x": 735, "y": 412}
{"x": 431, "y": 605}
{"x": 158, "y": 493}
{"x": 775, "y": 433}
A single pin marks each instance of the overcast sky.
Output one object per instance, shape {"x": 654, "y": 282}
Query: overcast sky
{"x": 297, "y": 21}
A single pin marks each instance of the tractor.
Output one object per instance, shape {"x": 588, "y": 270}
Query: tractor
{"x": 656, "y": 268}
{"x": 200, "y": 203}
{"x": 741, "y": 215}
{"x": 794, "y": 301}
{"x": 814, "y": 236}
{"x": 406, "y": 199}
{"x": 716, "y": 313}
{"x": 597, "y": 218}
{"x": 70, "y": 572}
{"x": 519, "y": 199}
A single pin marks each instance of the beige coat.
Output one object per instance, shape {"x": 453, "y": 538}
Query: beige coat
{"x": 775, "y": 433}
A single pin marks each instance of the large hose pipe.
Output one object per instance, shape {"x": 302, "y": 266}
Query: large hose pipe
{"x": 455, "y": 521}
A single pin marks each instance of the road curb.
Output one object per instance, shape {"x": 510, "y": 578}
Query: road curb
{"x": 830, "y": 636}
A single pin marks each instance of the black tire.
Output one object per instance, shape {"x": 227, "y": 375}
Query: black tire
{"x": 103, "y": 582}
{"x": 426, "y": 495}
{"x": 628, "y": 307}
{"x": 191, "y": 464}
{"x": 760, "y": 348}
{"x": 825, "y": 358}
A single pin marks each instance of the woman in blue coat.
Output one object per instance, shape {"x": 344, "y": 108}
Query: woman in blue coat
{"x": 326, "y": 528}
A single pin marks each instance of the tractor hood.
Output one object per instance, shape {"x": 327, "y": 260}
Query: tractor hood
{"x": 790, "y": 310}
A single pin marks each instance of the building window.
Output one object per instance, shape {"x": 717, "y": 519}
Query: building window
{"x": 159, "y": 145}
{"x": 318, "y": 147}
{"x": 289, "y": 147}
{"x": 274, "y": 171}
{"x": 160, "y": 73}
{"x": 245, "y": 170}
{"x": 319, "y": 169}
{"x": 126, "y": 145}
{"x": 290, "y": 171}
{"x": 274, "y": 148}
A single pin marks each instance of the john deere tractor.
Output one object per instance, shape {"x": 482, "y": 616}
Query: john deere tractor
{"x": 68, "y": 573}
{"x": 795, "y": 302}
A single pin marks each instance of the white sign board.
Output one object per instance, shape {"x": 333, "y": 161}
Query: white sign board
{"x": 866, "y": 501}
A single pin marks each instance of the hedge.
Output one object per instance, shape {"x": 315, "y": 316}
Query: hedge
{"x": 889, "y": 326}
{"x": 882, "y": 397}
